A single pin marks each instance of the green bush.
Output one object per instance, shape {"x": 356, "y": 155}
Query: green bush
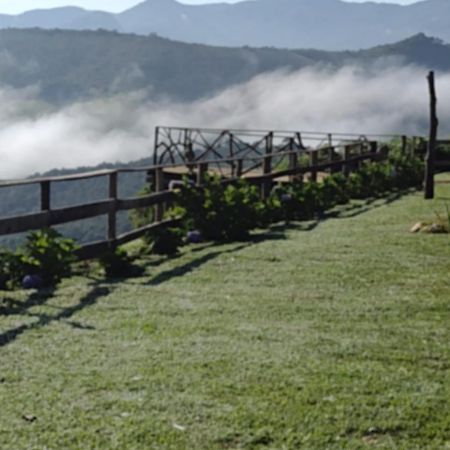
{"x": 408, "y": 170}
{"x": 221, "y": 213}
{"x": 46, "y": 254}
{"x": 11, "y": 269}
{"x": 117, "y": 263}
{"x": 142, "y": 216}
{"x": 165, "y": 241}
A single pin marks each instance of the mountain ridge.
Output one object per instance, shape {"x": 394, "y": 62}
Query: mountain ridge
{"x": 322, "y": 24}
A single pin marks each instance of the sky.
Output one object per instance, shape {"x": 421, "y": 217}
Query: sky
{"x": 18, "y": 6}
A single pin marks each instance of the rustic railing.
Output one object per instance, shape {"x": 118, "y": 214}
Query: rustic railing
{"x": 262, "y": 169}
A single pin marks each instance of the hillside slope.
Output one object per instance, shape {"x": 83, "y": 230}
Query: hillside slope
{"x": 333, "y": 338}
{"x": 73, "y": 65}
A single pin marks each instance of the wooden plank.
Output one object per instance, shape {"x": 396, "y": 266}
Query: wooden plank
{"x": 140, "y": 232}
{"x": 145, "y": 201}
{"x": 19, "y": 224}
{"x": 93, "y": 250}
{"x": 311, "y": 169}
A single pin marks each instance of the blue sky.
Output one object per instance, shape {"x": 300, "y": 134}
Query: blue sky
{"x": 17, "y": 6}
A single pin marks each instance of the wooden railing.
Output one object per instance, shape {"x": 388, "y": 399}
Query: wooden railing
{"x": 265, "y": 170}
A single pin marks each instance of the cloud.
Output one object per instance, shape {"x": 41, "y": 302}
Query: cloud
{"x": 36, "y": 137}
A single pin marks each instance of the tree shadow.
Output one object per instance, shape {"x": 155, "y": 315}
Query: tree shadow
{"x": 14, "y": 307}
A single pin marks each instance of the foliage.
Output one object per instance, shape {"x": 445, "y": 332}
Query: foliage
{"x": 221, "y": 213}
{"x": 165, "y": 241}
{"x": 46, "y": 254}
{"x": 408, "y": 170}
{"x": 142, "y": 216}
{"x": 117, "y": 263}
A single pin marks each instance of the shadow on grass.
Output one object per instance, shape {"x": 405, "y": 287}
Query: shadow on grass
{"x": 14, "y": 307}
{"x": 356, "y": 209}
{"x": 275, "y": 233}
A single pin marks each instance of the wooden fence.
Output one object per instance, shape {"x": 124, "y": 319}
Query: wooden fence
{"x": 262, "y": 170}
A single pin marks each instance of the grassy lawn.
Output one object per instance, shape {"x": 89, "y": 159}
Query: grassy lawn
{"x": 328, "y": 335}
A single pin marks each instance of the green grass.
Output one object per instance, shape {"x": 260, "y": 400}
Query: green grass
{"x": 328, "y": 335}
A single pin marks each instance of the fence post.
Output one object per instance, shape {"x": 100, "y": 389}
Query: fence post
{"x": 202, "y": 170}
{"x": 45, "y": 195}
{"x": 346, "y": 165}
{"x": 159, "y": 187}
{"x": 404, "y": 144}
{"x": 374, "y": 150}
{"x": 239, "y": 168}
{"x": 155, "y": 148}
{"x": 231, "y": 154}
{"x": 112, "y": 222}
{"x": 313, "y": 160}
{"x": 293, "y": 161}
{"x": 431, "y": 153}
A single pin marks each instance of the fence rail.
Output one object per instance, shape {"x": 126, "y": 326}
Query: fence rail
{"x": 261, "y": 167}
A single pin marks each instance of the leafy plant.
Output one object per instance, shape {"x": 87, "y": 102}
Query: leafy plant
{"x": 118, "y": 264}
{"x": 11, "y": 271}
{"x": 47, "y": 254}
{"x": 221, "y": 213}
{"x": 166, "y": 241}
{"x": 142, "y": 216}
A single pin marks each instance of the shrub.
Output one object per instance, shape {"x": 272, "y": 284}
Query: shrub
{"x": 11, "y": 270}
{"x": 117, "y": 263}
{"x": 221, "y": 213}
{"x": 334, "y": 190}
{"x": 408, "y": 170}
{"x": 142, "y": 216}
{"x": 165, "y": 241}
{"x": 47, "y": 254}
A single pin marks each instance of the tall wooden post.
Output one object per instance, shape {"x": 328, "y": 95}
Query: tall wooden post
{"x": 431, "y": 152}
{"x": 112, "y": 222}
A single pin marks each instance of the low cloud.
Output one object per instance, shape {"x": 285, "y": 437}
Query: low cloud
{"x": 36, "y": 137}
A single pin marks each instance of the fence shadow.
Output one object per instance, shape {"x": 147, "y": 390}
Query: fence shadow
{"x": 274, "y": 233}
{"x": 356, "y": 209}
{"x": 14, "y": 307}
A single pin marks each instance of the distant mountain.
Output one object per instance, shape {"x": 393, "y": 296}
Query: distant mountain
{"x": 323, "y": 24}
{"x": 73, "y": 65}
